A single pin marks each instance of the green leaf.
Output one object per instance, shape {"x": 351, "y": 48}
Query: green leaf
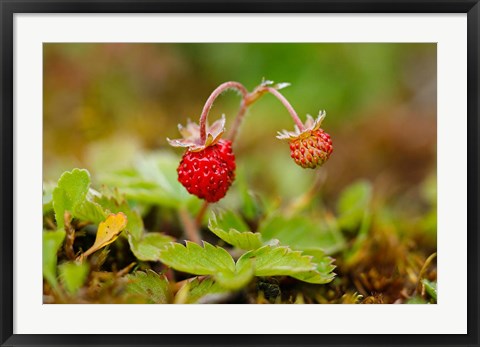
{"x": 197, "y": 260}
{"x": 150, "y": 286}
{"x": 89, "y": 211}
{"x": 201, "y": 288}
{"x": 161, "y": 168}
{"x": 323, "y": 272}
{"x": 277, "y": 261}
{"x": 136, "y": 189}
{"x": 52, "y": 240}
{"x": 353, "y": 203}
{"x": 73, "y": 275}
{"x": 430, "y": 288}
{"x": 227, "y": 219}
{"x": 269, "y": 260}
{"x": 73, "y": 194}
{"x": 152, "y": 180}
{"x": 235, "y": 280}
{"x": 310, "y": 266}
{"x": 149, "y": 246}
{"x": 236, "y": 234}
{"x": 206, "y": 260}
{"x": 71, "y": 190}
{"x": 301, "y": 232}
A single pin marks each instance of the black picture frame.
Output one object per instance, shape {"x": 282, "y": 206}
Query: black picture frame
{"x": 10, "y": 7}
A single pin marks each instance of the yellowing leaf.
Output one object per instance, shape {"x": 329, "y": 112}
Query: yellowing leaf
{"x": 107, "y": 232}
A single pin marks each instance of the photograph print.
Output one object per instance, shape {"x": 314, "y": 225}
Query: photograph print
{"x": 239, "y": 173}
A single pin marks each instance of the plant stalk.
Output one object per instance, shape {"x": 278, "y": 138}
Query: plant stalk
{"x": 192, "y": 231}
{"x": 288, "y": 106}
{"x": 247, "y": 100}
{"x": 215, "y": 94}
{"x": 201, "y": 213}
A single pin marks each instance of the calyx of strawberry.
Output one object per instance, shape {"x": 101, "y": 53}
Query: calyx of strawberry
{"x": 191, "y": 138}
{"x": 311, "y": 125}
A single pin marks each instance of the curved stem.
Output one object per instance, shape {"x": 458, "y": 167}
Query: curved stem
{"x": 250, "y": 98}
{"x": 287, "y": 106}
{"x": 247, "y": 100}
{"x": 238, "y": 119}
{"x": 208, "y": 105}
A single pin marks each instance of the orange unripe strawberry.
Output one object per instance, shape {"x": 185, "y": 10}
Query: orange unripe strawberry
{"x": 311, "y": 151}
{"x": 311, "y": 147}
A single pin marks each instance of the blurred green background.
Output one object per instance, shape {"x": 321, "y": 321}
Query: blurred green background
{"x": 104, "y": 103}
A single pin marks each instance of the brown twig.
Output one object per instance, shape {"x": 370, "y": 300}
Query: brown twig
{"x": 125, "y": 270}
{"x": 69, "y": 236}
{"x": 50, "y": 224}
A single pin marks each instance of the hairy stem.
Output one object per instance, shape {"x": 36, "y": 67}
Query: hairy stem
{"x": 238, "y": 119}
{"x": 287, "y": 105}
{"x": 201, "y": 213}
{"x": 215, "y": 94}
{"x": 69, "y": 236}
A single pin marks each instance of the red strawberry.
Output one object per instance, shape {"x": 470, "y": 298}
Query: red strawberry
{"x": 310, "y": 147}
{"x": 207, "y": 168}
{"x": 208, "y": 173}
